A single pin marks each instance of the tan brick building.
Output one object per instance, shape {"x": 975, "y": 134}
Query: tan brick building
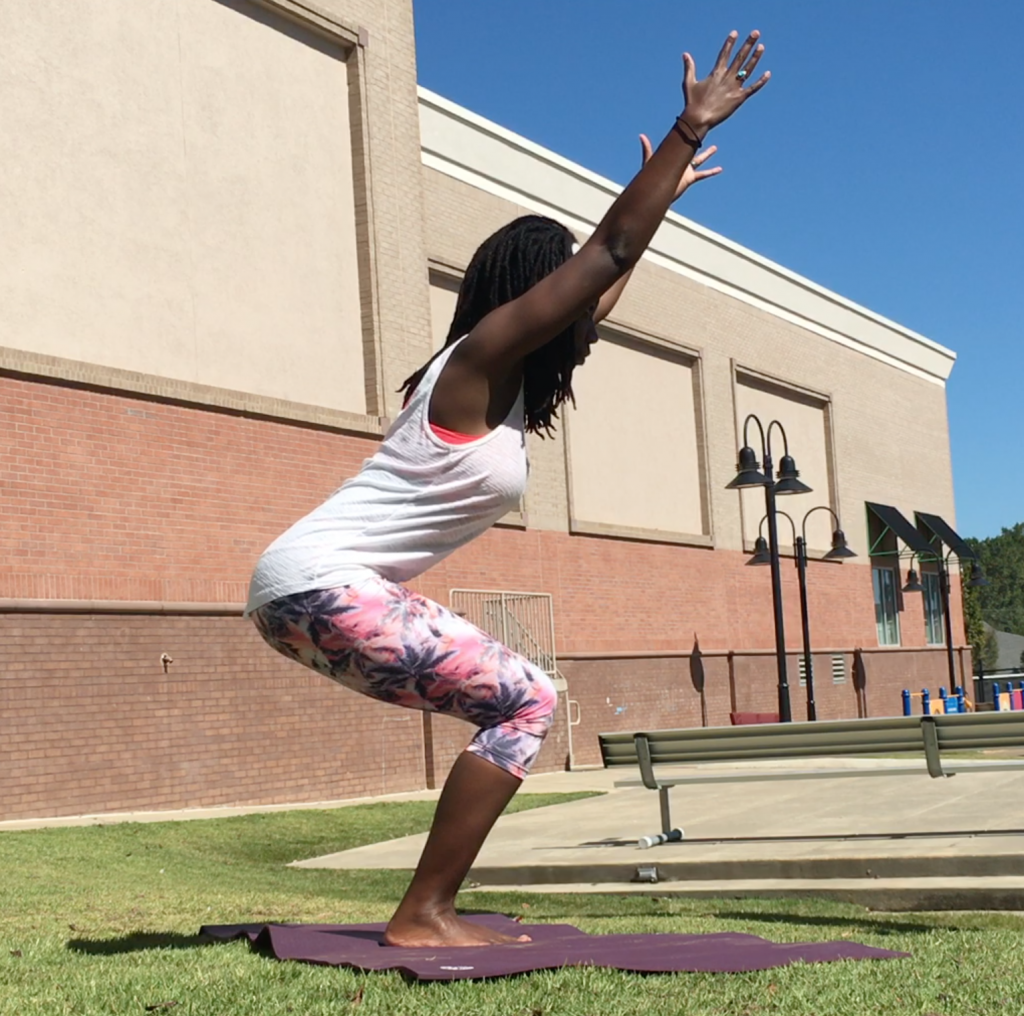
{"x": 229, "y": 229}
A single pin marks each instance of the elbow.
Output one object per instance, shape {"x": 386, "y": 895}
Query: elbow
{"x": 620, "y": 252}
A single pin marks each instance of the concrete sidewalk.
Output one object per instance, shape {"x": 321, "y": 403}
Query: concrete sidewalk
{"x": 963, "y": 834}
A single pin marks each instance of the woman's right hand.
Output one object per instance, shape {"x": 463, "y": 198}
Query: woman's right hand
{"x": 722, "y": 92}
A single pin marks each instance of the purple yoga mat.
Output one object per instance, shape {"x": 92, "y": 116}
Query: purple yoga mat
{"x": 362, "y": 947}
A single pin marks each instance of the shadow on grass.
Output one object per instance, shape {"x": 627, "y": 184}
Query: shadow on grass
{"x": 566, "y": 910}
{"x": 881, "y": 927}
{"x": 137, "y": 941}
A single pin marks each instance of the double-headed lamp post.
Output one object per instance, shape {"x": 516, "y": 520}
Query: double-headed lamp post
{"x": 839, "y": 551}
{"x": 748, "y": 475}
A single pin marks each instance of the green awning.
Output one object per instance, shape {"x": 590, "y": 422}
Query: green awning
{"x": 892, "y": 519}
{"x": 948, "y": 535}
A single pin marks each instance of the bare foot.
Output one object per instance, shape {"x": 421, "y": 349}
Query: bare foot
{"x": 435, "y": 931}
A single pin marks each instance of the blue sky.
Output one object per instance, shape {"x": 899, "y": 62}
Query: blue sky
{"x": 883, "y": 161}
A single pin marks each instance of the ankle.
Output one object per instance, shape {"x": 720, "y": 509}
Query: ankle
{"x": 425, "y": 911}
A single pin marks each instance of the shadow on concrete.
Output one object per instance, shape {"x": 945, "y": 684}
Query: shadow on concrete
{"x": 805, "y": 838}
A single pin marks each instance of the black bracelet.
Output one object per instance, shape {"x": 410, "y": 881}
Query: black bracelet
{"x": 695, "y": 141}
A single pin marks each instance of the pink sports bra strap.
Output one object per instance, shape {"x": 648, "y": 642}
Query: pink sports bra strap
{"x": 453, "y": 436}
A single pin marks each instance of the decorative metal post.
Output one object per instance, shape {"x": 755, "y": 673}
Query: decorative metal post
{"x": 785, "y": 710}
{"x": 801, "y": 565}
{"x": 947, "y": 618}
{"x": 788, "y": 482}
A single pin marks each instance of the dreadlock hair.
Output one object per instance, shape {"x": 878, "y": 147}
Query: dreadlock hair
{"x": 504, "y": 267}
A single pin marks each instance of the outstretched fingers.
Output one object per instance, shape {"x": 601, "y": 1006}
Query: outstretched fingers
{"x": 748, "y": 68}
{"x": 700, "y": 158}
{"x": 726, "y": 51}
{"x": 744, "y": 52}
{"x": 757, "y": 85}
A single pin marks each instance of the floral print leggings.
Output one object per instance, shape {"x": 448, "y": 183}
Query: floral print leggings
{"x": 382, "y": 640}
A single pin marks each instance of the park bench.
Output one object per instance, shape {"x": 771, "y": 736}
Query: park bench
{"x": 932, "y": 736}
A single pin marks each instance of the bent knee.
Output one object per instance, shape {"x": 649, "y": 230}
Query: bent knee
{"x": 539, "y": 712}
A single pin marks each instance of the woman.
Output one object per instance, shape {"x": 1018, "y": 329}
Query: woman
{"x": 326, "y": 593}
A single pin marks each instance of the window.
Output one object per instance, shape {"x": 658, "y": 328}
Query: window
{"x": 886, "y": 606}
{"x": 934, "y": 622}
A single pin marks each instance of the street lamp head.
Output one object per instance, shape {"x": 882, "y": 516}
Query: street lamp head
{"x": 789, "y": 482}
{"x": 913, "y": 583}
{"x": 839, "y": 549}
{"x": 761, "y": 553}
{"x": 977, "y": 579}
{"x": 748, "y": 472}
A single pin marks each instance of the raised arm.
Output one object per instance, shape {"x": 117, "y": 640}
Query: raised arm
{"x": 691, "y": 175}
{"x": 507, "y": 335}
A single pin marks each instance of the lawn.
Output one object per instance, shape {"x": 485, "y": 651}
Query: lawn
{"x": 102, "y": 919}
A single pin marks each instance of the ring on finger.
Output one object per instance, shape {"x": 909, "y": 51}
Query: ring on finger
{"x": 741, "y": 75}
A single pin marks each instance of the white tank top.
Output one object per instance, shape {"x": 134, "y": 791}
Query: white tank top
{"x": 412, "y": 504}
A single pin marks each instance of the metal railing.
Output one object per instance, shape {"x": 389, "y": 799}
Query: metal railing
{"x": 983, "y": 685}
{"x": 525, "y": 622}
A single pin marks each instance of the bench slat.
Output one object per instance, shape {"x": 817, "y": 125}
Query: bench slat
{"x": 982, "y": 742}
{"x": 752, "y": 776}
{"x": 663, "y": 757}
{"x": 764, "y": 729}
{"x": 784, "y": 741}
{"x": 809, "y": 751}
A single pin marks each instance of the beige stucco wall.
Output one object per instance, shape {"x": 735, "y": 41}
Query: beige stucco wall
{"x": 205, "y": 194}
{"x": 444, "y": 293}
{"x": 888, "y": 426}
{"x": 240, "y": 213}
{"x": 634, "y": 459}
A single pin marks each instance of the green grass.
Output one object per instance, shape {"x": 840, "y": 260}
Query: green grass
{"x": 102, "y": 919}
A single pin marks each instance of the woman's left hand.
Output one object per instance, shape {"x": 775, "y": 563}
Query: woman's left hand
{"x": 691, "y": 174}
{"x": 693, "y": 171}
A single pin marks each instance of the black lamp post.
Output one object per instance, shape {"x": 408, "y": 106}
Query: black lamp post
{"x": 839, "y": 551}
{"x": 976, "y": 580}
{"x": 913, "y": 585}
{"x": 748, "y": 475}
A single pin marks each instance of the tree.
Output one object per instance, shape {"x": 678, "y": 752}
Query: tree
{"x": 989, "y": 650}
{"x": 1002, "y": 559}
{"x": 984, "y": 650}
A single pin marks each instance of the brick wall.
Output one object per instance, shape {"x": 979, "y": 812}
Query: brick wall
{"x": 119, "y": 498}
{"x": 115, "y": 497}
{"x": 93, "y": 723}
{"x": 639, "y": 693}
